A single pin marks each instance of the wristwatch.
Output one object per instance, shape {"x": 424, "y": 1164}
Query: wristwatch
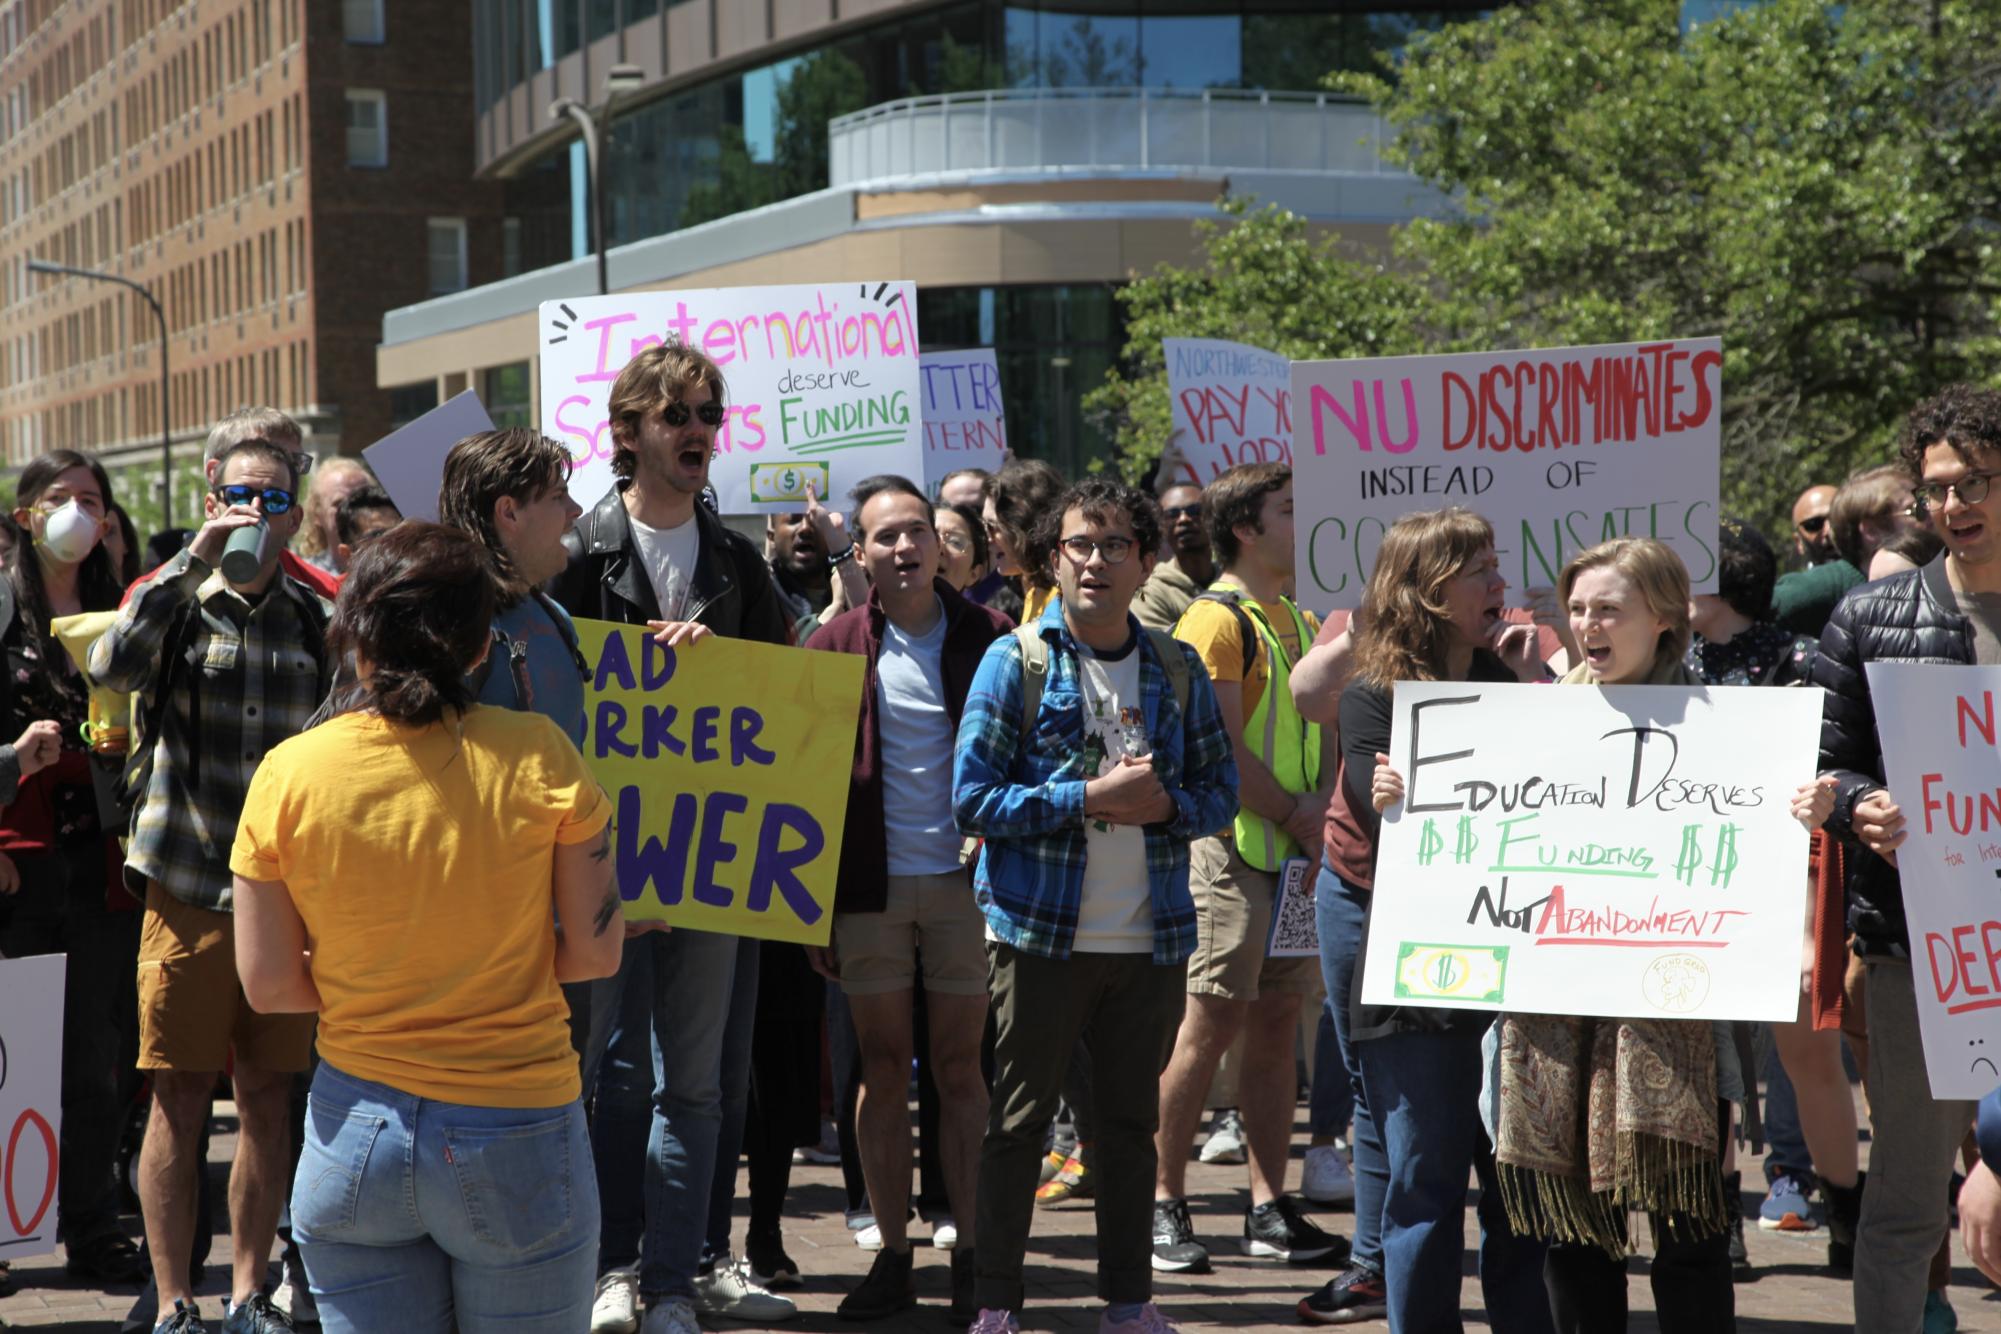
{"x": 846, "y": 553}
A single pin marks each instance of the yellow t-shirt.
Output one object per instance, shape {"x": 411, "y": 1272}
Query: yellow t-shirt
{"x": 422, "y": 865}
{"x": 1211, "y": 629}
{"x": 1035, "y": 601}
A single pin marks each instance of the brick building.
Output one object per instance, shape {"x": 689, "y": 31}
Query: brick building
{"x": 278, "y": 172}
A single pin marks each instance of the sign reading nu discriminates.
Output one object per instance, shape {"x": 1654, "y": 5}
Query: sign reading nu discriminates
{"x": 1559, "y": 449}
{"x": 1619, "y": 851}
{"x": 821, "y": 380}
{"x": 727, "y": 763}
{"x": 1940, "y": 752}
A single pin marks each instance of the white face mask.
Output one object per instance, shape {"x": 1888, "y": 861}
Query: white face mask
{"x": 68, "y": 533}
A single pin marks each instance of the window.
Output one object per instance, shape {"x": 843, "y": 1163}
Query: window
{"x": 367, "y": 128}
{"x": 447, "y": 252}
{"x": 361, "y": 21}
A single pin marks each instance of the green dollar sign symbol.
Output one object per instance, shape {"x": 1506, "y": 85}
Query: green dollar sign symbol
{"x": 1689, "y": 860}
{"x": 1468, "y": 841}
{"x": 1429, "y": 843}
{"x": 1726, "y": 856}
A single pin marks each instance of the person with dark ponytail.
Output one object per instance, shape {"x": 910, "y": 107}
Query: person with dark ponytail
{"x": 54, "y": 854}
{"x": 427, "y": 904}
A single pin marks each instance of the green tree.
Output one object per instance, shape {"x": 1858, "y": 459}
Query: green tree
{"x": 819, "y": 88}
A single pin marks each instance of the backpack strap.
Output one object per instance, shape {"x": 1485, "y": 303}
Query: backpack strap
{"x": 1231, "y": 598}
{"x": 1034, "y": 671}
{"x": 1172, "y": 661}
{"x": 567, "y": 629}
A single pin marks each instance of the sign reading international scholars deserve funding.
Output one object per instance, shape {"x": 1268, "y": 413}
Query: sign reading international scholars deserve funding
{"x": 727, "y": 764}
{"x": 31, "y": 1051}
{"x": 821, "y": 383}
{"x": 1559, "y": 449}
{"x": 1626, "y": 851}
{"x": 1938, "y": 730}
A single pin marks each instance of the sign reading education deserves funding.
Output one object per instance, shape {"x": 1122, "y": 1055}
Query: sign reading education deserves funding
{"x": 1937, "y": 726}
{"x": 964, "y": 424}
{"x": 1624, "y": 851}
{"x": 1231, "y": 403}
{"x": 822, "y": 383}
{"x": 31, "y": 1047}
{"x": 1560, "y": 449}
{"x": 727, "y": 764}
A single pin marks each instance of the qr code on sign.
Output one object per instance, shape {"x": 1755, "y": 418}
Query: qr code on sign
{"x": 1294, "y": 933}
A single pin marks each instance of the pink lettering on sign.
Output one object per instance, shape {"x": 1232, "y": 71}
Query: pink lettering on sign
{"x": 1357, "y": 421}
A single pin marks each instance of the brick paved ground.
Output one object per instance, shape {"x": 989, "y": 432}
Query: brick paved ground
{"x": 1790, "y": 1294}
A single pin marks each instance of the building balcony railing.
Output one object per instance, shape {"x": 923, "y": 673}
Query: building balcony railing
{"x": 1056, "y": 130}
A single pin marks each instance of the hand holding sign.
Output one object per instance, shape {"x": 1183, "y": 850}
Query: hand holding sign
{"x": 1386, "y": 787}
{"x": 1879, "y": 823}
{"x": 1814, "y": 802}
{"x": 677, "y": 634}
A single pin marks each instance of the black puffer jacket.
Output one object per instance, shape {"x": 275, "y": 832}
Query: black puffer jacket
{"x": 1909, "y": 617}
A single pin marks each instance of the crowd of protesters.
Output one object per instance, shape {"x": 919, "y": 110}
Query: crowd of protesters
{"x": 345, "y": 863}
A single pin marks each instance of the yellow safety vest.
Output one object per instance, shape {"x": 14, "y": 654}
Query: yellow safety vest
{"x": 1287, "y": 744}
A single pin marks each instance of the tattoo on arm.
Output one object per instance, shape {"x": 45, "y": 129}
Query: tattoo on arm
{"x": 607, "y": 909}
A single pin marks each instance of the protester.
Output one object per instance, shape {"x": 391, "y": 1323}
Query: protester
{"x": 1872, "y": 506}
{"x": 237, "y": 668}
{"x": 1019, "y": 498}
{"x": 963, "y": 556}
{"x": 334, "y": 481}
{"x": 1431, "y": 612}
{"x": 1248, "y": 634}
{"x": 650, "y": 553}
{"x": 1945, "y": 612}
{"x": 799, "y": 568}
{"x": 363, "y": 513}
{"x": 1907, "y": 549}
{"x": 965, "y": 486}
{"x": 1803, "y": 599}
{"x": 121, "y": 543}
{"x": 281, "y": 432}
{"x": 1090, "y": 755}
{"x": 903, "y": 892}
{"x": 55, "y": 854}
{"x": 435, "y": 977}
{"x": 1188, "y": 565}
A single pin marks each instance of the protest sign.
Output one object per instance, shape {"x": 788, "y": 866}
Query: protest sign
{"x": 964, "y": 426}
{"x": 1937, "y": 725}
{"x": 821, "y": 383}
{"x": 727, "y": 763}
{"x": 1231, "y": 403}
{"x": 410, "y": 460}
{"x": 1560, "y": 449}
{"x": 31, "y": 1065}
{"x": 1619, "y": 851}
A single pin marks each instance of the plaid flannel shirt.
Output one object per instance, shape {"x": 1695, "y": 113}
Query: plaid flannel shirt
{"x": 258, "y": 683}
{"x": 1025, "y": 798}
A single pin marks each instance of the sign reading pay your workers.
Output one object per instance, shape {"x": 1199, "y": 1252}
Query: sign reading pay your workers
{"x": 727, "y": 764}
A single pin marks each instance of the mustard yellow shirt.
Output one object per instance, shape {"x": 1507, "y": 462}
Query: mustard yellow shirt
{"x": 1212, "y": 630}
{"x": 421, "y": 861}
{"x": 1035, "y": 601}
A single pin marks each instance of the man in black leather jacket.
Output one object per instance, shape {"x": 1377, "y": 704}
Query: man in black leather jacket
{"x": 1949, "y": 612}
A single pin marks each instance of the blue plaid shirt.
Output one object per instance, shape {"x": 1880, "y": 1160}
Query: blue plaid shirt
{"x": 1026, "y": 798}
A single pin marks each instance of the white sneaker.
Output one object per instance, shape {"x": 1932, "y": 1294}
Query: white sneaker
{"x": 944, "y": 1233}
{"x": 1226, "y": 1139}
{"x": 729, "y": 1291}
{"x": 293, "y": 1297}
{"x": 828, "y": 1150}
{"x": 1327, "y": 1179}
{"x": 672, "y": 1316}
{"x": 870, "y": 1237}
{"x": 616, "y": 1308}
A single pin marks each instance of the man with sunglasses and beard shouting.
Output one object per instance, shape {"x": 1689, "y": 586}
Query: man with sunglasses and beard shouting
{"x": 229, "y": 668}
{"x": 651, "y": 553}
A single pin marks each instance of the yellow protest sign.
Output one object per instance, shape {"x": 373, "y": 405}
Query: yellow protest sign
{"x": 727, "y": 763}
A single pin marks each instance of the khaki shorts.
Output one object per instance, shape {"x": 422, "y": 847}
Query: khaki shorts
{"x": 1233, "y": 904}
{"x": 191, "y": 1004}
{"x": 877, "y": 951}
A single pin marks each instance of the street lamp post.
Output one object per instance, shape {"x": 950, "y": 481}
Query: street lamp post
{"x": 166, "y": 414}
{"x": 592, "y": 125}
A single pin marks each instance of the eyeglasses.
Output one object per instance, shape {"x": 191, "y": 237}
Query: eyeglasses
{"x": 676, "y": 413}
{"x": 1113, "y": 549}
{"x": 275, "y": 501}
{"x": 1971, "y": 490}
{"x": 1193, "y": 511}
{"x": 956, "y": 544}
{"x": 1812, "y": 524}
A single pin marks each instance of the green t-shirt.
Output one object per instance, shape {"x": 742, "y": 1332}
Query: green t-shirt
{"x": 1803, "y": 600}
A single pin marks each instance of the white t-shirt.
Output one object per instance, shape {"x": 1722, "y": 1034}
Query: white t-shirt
{"x": 669, "y": 555}
{"x": 916, "y": 751}
{"x": 1116, "y": 915}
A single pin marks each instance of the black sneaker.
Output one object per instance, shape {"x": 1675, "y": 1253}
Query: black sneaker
{"x": 889, "y": 1288}
{"x": 1276, "y": 1231}
{"x": 965, "y": 1306}
{"x": 1733, "y": 1206}
{"x": 1357, "y": 1294}
{"x": 184, "y": 1320}
{"x": 256, "y": 1315}
{"x": 1175, "y": 1250}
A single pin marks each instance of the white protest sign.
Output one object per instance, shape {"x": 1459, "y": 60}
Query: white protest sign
{"x": 1620, "y": 851}
{"x": 31, "y": 1067}
{"x": 1559, "y": 449}
{"x": 410, "y": 460}
{"x": 964, "y": 425}
{"x": 1231, "y": 404}
{"x": 1937, "y": 726}
{"x": 821, "y": 380}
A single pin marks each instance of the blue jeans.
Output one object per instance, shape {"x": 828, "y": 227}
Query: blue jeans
{"x": 1424, "y": 1090}
{"x": 424, "y": 1216}
{"x": 742, "y": 1022}
{"x": 1788, "y": 1154}
{"x": 1339, "y": 909}
{"x": 704, "y": 994}
{"x": 622, "y": 1108}
{"x": 1331, "y": 1103}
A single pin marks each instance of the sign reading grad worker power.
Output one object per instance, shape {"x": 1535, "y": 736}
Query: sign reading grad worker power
{"x": 727, "y": 763}
{"x": 1230, "y": 403}
{"x": 1627, "y": 851}
{"x": 821, "y": 383}
{"x": 1560, "y": 449}
{"x": 1939, "y": 736}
